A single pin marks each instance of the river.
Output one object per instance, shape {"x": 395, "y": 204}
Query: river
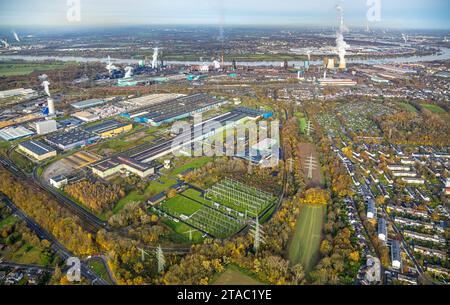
{"x": 444, "y": 54}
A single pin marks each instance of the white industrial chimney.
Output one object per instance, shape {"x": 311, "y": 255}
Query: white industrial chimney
{"x": 51, "y": 106}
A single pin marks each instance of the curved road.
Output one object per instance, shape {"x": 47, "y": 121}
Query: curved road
{"x": 63, "y": 252}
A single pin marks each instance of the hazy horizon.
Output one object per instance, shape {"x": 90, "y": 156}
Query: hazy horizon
{"x": 412, "y": 14}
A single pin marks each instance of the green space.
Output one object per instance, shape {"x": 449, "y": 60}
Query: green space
{"x": 152, "y": 189}
{"x": 4, "y": 146}
{"x": 25, "y": 68}
{"x": 97, "y": 266}
{"x": 196, "y": 163}
{"x": 22, "y": 162}
{"x": 234, "y": 275}
{"x": 305, "y": 243}
{"x": 301, "y": 121}
{"x": 181, "y": 205}
{"x": 434, "y": 108}
{"x": 10, "y": 220}
{"x": 196, "y": 195}
{"x": 407, "y": 107}
{"x": 26, "y": 254}
{"x": 216, "y": 223}
{"x": 181, "y": 232}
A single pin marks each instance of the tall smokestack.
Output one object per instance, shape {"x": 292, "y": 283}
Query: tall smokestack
{"x": 51, "y": 106}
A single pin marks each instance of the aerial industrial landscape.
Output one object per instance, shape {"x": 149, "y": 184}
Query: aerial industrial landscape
{"x": 225, "y": 154}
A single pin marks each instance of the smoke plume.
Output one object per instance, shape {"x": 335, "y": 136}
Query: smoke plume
{"x": 5, "y": 43}
{"x": 341, "y": 45}
{"x": 155, "y": 58}
{"x": 45, "y": 83}
{"x": 128, "y": 72}
{"x": 16, "y": 37}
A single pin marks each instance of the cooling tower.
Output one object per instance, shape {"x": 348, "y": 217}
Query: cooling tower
{"x": 342, "y": 64}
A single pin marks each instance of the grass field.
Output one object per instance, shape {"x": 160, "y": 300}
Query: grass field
{"x": 181, "y": 232}
{"x": 301, "y": 121}
{"x": 196, "y": 163}
{"x": 203, "y": 216}
{"x": 234, "y": 276}
{"x": 434, "y": 108}
{"x": 305, "y": 243}
{"x": 4, "y": 145}
{"x": 98, "y": 267}
{"x": 8, "y": 221}
{"x": 408, "y": 107}
{"x": 26, "y": 254}
{"x": 153, "y": 188}
{"x": 16, "y": 69}
{"x": 182, "y": 205}
{"x": 196, "y": 195}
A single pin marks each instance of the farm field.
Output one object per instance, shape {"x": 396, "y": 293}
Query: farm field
{"x": 17, "y": 69}
{"x": 305, "y": 243}
{"x": 233, "y": 276}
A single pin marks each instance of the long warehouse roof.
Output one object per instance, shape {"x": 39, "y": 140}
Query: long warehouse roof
{"x": 37, "y": 147}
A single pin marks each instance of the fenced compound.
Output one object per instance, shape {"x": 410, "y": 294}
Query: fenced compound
{"x": 240, "y": 197}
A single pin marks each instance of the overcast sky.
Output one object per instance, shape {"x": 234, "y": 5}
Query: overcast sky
{"x": 394, "y": 13}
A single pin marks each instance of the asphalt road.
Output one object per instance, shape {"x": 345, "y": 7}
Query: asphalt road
{"x": 55, "y": 245}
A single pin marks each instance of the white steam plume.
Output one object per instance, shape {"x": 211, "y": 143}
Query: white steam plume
{"x": 155, "y": 58}
{"x": 16, "y": 37}
{"x": 5, "y": 43}
{"x": 128, "y": 72}
{"x": 45, "y": 83}
{"x": 110, "y": 67}
{"x": 405, "y": 38}
{"x": 341, "y": 45}
{"x": 309, "y": 54}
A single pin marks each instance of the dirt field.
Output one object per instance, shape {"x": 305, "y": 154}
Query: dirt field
{"x": 306, "y": 151}
{"x": 60, "y": 167}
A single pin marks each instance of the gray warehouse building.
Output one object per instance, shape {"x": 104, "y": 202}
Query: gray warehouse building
{"x": 76, "y": 137}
